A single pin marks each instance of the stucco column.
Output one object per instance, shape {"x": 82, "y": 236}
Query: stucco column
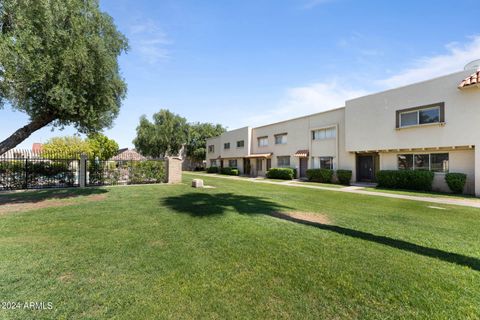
{"x": 477, "y": 170}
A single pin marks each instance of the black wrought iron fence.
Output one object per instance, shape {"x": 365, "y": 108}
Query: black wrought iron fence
{"x": 26, "y": 169}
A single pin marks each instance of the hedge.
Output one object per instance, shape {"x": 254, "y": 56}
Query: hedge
{"x": 344, "y": 177}
{"x": 229, "y": 171}
{"x": 405, "y": 179}
{"x": 212, "y": 170}
{"x": 456, "y": 181}
{"x": 320, "y": 175}
{"x": 281, "y": 173}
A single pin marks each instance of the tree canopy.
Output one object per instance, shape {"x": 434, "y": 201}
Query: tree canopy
{"x": 169, "y": 132}
{"x": 197, "y": 139}
{"x": 165, "y": 136}
{"x": 58, "y": 64}
{"x": 95, "y": 146}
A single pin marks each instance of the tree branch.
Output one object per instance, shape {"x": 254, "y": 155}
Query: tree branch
{"x": 23, "y": 133}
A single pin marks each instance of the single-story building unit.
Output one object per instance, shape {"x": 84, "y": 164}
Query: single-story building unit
{"x": 432, "y": 125}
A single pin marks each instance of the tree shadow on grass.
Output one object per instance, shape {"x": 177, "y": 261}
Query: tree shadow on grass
{"x": 204, "y": 204}
{"x": 47, "y": 194}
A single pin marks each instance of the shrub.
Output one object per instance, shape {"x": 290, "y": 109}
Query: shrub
{"x": 405, "y": 179}
{"x": 212, "y": 170}
{"x": 320, "y": 175}
{"x": 344, "y": 176}
{"x": 147, "y": 171}
{"x": 230, "y": 171}
{"x": 281, "y": 173}
{"x": 456, "y": 181}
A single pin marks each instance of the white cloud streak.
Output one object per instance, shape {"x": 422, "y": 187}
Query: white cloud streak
{"x": 149, "y": 41}
{"x": 456, "y": 57}
{"x": 321, "y": 96}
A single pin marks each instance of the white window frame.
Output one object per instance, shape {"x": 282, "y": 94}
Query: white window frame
{"x": 211, "y": 148}
{"x": 262, "y": 139}
{"x": 429, "y": 160}
{"x": 332, "y": 129}
{"x": 284, "y": 166}
{"x": 225, "y": 146}
{"x": 243, "y": 144}
{"x": 418, "y": 117}
{"x": 283, "y": 138}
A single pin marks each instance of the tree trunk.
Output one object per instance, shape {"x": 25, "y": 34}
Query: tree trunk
{"x": 23, "y": 133}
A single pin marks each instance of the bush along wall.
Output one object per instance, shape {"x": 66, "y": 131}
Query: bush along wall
{"x": 229, "y": 171}
{"x": 456, "y": 181}
{"x": 212, "y": 170}
{"x": 405, "y": 179}
{"x": 281, "y": 173}
{"x": 320, "y": 175}
{"x": 344, "y": 176}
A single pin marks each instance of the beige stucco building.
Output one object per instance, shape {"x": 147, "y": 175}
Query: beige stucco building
{"x": 432, "y": 125}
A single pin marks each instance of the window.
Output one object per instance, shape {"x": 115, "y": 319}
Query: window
{"x": 232, "y": 163}
{"x": 211, "y": 148}
{"x": 281, "y": 138}
{"x": 405, "y": 161}
{"x": 283, "y": 161}
{"x": 226, "y": 145}
{"x": 213, "y": 163}
{"x": 439, "y": 162}
{"x": 421, "y": 115}
{"x": 322, "y": 162}
{"x": 322, "y": 134}
{"x": 263, "y": 141}
{"x": 240, "y": 144}
{"x": 436, "y": 162}
{"x": 326, "y": 162}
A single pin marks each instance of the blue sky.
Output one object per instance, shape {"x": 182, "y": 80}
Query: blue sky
{"x": 254, "y": 62}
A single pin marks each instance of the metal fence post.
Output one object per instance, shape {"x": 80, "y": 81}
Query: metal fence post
{"x": 83, "y": 171}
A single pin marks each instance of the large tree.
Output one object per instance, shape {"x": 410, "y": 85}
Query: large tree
{"x": 165, "y": 136}
{"x": 101, "y": 146}
{"x": 97, "y": 145}
{"x": 197, "y": 139}
{"x": 58, "y": 64}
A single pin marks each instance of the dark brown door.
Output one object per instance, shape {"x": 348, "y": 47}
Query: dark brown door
{"x": 303, "y": 167}
{"x": 365, "y": 168}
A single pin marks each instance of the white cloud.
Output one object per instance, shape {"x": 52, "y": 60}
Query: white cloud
{"x": 455, "y": 59}
{"x": 300, "y": 101}
{"x": 317, "y": 97}
{"x": 149, "y": 41}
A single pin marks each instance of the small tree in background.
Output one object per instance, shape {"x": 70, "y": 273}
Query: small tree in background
{"x": 165, "y": 136}
{"x": 68, "y": 145}
{"x": 196, "y": 147}
{"x": 58, "y": 64}
{"x": 101, "y": 146}
{"x": 96, "y": 145}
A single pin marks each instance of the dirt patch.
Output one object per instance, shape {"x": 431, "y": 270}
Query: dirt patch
{"x": 304, "y": 216}
{"x": 66, "y": 277}
{"x": 6, "y": 208}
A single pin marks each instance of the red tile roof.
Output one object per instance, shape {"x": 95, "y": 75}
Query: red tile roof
{"x": 301, "y": 153}
{"x": 471, "y": 81}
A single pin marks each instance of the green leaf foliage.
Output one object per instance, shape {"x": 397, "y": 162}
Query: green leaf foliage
{"x": 58, "y": 60}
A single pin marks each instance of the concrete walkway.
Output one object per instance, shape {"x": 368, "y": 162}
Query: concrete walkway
{"x": 466, "y": 202}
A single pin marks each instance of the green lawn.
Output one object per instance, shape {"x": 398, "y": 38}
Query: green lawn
{"x": 171, "y": 251}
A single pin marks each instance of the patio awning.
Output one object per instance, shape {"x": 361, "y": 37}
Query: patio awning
{"x": 259, "y": 155}
{"x": 471, "y": 81}
{"x": 301, "y": 154}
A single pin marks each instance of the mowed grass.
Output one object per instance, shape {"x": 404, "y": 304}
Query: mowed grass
{"x": 171, "y": 251}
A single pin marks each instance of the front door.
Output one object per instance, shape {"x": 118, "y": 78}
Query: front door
{"x": 303, "y": 167}
{"x": 365, "y": 168}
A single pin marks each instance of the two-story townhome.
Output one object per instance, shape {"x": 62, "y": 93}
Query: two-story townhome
{"x": 432, "y": 125}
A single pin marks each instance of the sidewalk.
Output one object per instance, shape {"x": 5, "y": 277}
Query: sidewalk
{"x": 474, "y": 203}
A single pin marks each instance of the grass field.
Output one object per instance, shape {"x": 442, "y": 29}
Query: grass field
{"x": 171, "y": 251}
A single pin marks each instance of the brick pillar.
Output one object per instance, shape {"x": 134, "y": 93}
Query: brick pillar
{"x": 173, "y": 169}
{"x": 83, "y": 171}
